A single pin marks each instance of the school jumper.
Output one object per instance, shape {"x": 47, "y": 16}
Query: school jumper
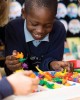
{"x": 41, "y": 55}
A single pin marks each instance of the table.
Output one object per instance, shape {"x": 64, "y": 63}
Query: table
{"x": 65, "y": 93}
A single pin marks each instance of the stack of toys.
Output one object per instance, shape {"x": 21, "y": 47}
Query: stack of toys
{"x": 21, "y": 59}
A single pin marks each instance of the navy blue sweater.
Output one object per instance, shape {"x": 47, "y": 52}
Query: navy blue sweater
{"x": 5, "y": 88}
{"x": 41, "y": 55}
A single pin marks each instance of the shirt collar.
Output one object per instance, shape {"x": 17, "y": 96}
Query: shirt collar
{"x": 29, "y": 37}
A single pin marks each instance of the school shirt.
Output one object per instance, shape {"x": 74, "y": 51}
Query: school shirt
{"x": 5, "y": 88}
{"x": 42, "y": 54}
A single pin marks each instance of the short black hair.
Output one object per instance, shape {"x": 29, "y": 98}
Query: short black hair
{"x": 50, "y": 4}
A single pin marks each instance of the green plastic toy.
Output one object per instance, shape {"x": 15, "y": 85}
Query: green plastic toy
{"x": 77, "y": 70}
{"x": 22, "y": 60}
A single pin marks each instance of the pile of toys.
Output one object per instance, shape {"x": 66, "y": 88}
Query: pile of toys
{"x": 58, "y": 79}
{"x": 52, "y": 79}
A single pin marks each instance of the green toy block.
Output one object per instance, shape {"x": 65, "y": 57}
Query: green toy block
{"x": 58, "y": 80}
{"x": 22, "y": 60}
{"x": 49, "y": 85}
{"x": 42, "y": 82}
{"x": 77, "y": 70}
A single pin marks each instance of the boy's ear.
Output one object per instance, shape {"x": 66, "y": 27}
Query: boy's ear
{"x": 23, "y": 13}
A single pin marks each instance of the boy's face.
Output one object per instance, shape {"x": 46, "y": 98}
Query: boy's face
{"x": 39, "y": 22}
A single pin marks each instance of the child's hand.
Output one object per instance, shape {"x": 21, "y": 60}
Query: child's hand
{"x": 12, "y": 62}
{"x": 22, "y": 84}
{"x": 61, "y": 65}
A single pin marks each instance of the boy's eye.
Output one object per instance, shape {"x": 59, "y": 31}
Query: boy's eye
{"x": 49, "y": 25}
{"x": 34, "y": 24}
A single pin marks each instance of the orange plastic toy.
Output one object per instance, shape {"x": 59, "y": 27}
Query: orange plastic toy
{"x": 19, "y": 55}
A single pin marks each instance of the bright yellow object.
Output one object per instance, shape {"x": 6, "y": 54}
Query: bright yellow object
{"x": 40, "y": 71}
{"x": 60, "y": 74}
{"x": 19, "y": 70}
{"x": 48, "y": 77}
{"x": 57, "y": 86}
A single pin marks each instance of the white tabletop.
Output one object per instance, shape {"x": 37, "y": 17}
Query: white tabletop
{"x": 65, "y": 93}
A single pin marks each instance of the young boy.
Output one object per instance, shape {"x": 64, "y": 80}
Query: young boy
{"x": 15, "y": 83}
{"x": 40, "y": 37}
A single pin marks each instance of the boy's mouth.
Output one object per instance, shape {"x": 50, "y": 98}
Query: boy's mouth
{"x": 37, "y": 36}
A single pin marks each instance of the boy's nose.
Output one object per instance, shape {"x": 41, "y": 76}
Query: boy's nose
{"x": 40, "y": 30}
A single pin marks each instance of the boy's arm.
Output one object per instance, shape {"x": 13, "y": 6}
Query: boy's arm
{"x": 14, "y": 39}
{"x": 56, "y": 49}
{"x": 9, "y": 38}
{"x": 5, "y": 88}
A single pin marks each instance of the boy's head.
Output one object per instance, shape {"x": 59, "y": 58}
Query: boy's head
{"x": 4, "y": 12}
{"x": 39, "y": 15}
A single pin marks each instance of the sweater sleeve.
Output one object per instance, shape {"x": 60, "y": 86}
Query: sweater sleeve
{"x": 56, "y": 48}
{"x": 14, "y": 39}
{"x": 5, "y": 88}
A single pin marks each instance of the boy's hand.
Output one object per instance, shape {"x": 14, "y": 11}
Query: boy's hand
{"x": 12, "y": 62}
{"x": 61, "y": 65}
{"x": 22, "y": 84}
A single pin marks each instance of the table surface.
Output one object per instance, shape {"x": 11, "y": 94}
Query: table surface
{"x": 77, "y": 98}
{"x": 66, "y": 93}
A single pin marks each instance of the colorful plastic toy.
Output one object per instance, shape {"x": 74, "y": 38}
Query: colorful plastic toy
{"x": 45, "y": 74}
{"x": 20, "y": 56}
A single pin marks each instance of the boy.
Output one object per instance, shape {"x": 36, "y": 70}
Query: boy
{"x": 15, "y": 83}
{"x": 40, "y": 37}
